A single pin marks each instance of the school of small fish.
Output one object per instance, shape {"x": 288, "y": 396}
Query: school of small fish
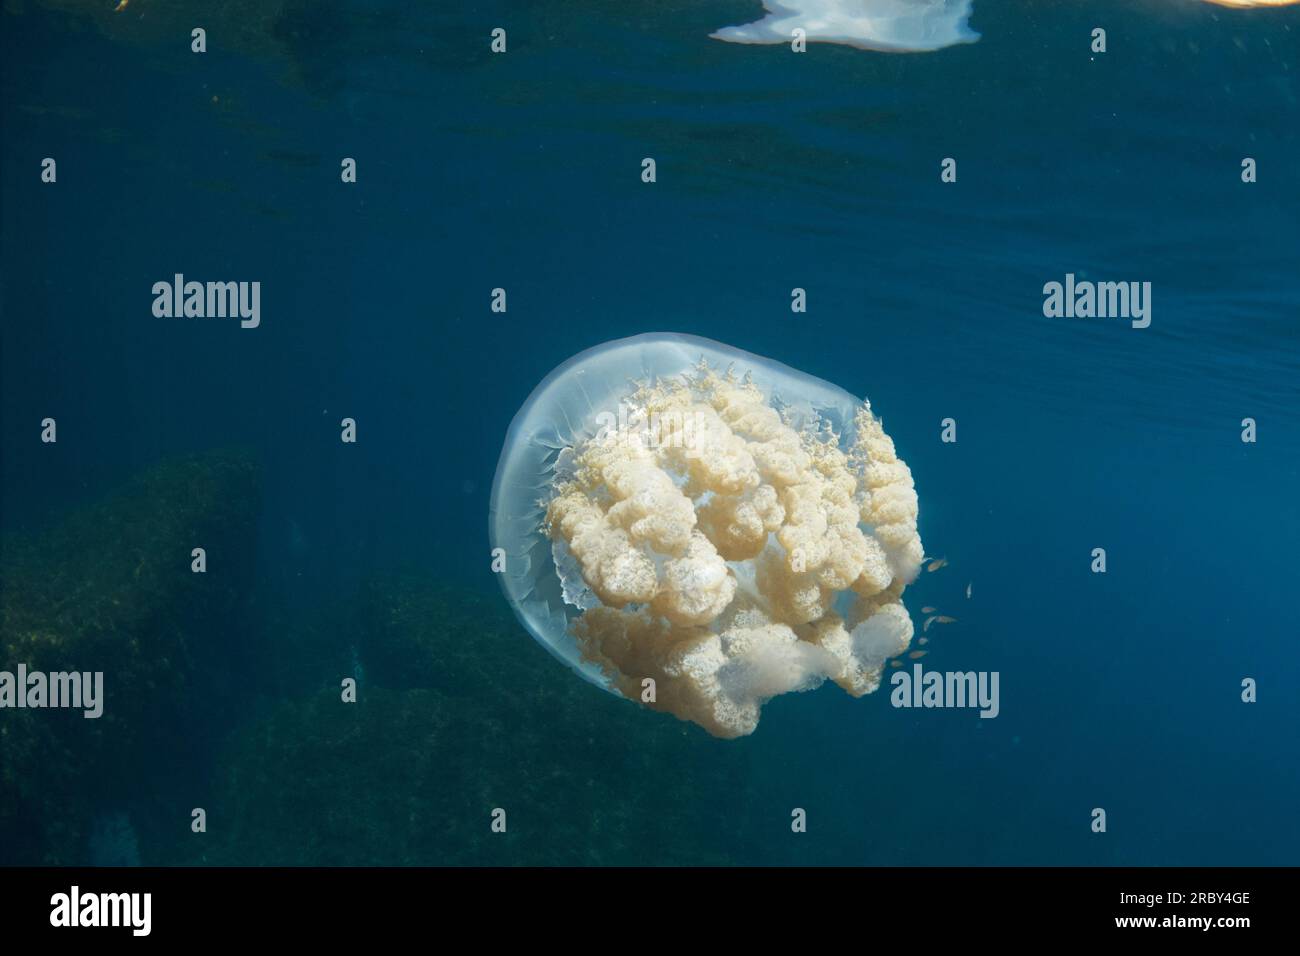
{"x": 933, "y": 618}
{"x": 937, "y": 619}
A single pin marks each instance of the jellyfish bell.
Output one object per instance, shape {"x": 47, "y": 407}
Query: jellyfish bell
{"x": 700, "y": 529}
{"x": 893, "y": 26}
{"x": 889, "y": 26}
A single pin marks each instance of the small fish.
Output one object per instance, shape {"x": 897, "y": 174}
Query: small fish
{"x": 121, "y": 6}
{"x": 968, "y": 584}
{"x": 928, "y": 610}
{"x": 917, "y": 655}
{"x": 928, "y": 621}
{"x": 937, "y": 564}
{"x": 895, "y": 663}
{"x": 923, "y": 641}
{"x": 945, "y": 619}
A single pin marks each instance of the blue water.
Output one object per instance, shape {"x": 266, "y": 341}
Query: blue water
{"x": 775, "y": 170}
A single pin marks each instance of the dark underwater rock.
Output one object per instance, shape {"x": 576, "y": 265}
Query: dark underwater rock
{"x": 111, "y": 589}
{"x": 460, "y": 713}
{"x": 415, "y": 631}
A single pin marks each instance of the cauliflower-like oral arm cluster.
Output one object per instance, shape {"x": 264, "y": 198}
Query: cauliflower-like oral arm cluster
{"x": 735, "y": 557}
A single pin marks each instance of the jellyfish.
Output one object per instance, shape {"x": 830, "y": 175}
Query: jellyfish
{"x": 900, "y": 26}
{"x": 699, "y": 529}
